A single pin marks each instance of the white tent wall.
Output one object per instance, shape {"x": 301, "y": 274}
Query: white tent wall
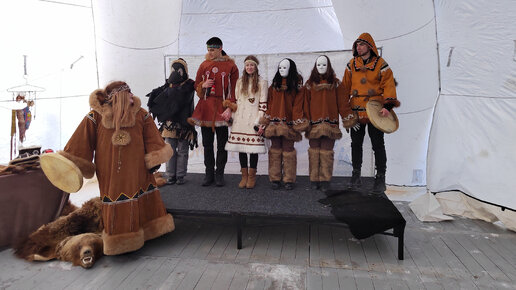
{"x": 132, "y": 38}
{"x": 405, "y": 30}
{"x": 52, "y": 45}
{"x": 260, "y": 27}
{"x": 471, "y": 146}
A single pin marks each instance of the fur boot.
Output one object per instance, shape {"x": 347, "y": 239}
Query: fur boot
{"x": 313, "y": 167}
{"x": 251, "y": 180}
{"x": 243, "y": 182}
{"x": 275, "y": 165}
{"x": 289, "y": 169}
{"x": 326, "y": 169}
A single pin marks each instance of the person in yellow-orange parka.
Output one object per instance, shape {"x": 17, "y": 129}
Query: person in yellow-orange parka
{"x": 368, "y": 77}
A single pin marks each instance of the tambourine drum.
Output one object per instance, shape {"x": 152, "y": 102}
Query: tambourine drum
{"x": 387, "y": 124}
{"x": 61, "y": 172}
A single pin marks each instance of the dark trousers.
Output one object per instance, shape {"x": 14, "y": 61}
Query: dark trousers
{"x": 357, "y": 139}
{"x": 208, "y": 137}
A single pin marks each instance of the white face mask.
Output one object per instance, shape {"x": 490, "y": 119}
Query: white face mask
{"x": 284, "y": 67}
{"x": 322, "y": 65}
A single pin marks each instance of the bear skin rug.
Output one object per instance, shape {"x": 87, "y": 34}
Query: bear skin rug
{"x": 74, "y": 238}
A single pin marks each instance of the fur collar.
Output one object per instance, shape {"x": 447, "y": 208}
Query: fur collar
{"x": 222, "y": 58}
{"x": 106, "y": 111}
{"x": 323, "y": 85}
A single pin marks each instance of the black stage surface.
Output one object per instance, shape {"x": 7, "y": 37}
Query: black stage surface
{"x": 364, "y": 212}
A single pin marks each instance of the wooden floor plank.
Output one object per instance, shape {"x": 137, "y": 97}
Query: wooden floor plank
{"x": 172, "y": 244}
{"x": 376, "y": 267}
{"x": 221, "y": 244}
{"x": 443, "y": 272}
{"x": 256, "y": 282}
{"x": 340, "y": 247}
{"x": 464, "y": 278}
{"x": 313, "y": 278}
{"x": 288, "y": 248}
{"x": 193, "y": 274}
{"x": 177, "y": 274}
{"x": 207, "y": 244}
{"x": 208, "y": 276}
{"x": 356, "y": 253}
{"x": 50, "y": 277}
{"x": 326, "y": 250}
{"x": 123, "y": 270}
{"x": 196, "y": 242}
{"x": 303, "y": 245}
{"x": 481, "y": 257}
{"x": 408, "y": 268}
{"x": 260, "y": 247}
{"x": 415, "y": 245}
{"x": 506, "y": 245}
{"x": 231, "y": 251}
{"x": 143, "y": 274}
{"x": 273, "y": 253}
{"x": 330, "y": 278}
{"x": 224, "y": 278}
{"x": 484, "y": 245}
{"x": 249, "y": 237}
{"x": 390, "y": 263}
{"x": 240, "y": 279}
{"x": 346, "y": 279}
{"x": 359, "y": 263}
{"x": 480, "y": 277}
{"x": 15, "y": 271}
{"x": 314, "y": 254}
{"x": 161, "y": 274}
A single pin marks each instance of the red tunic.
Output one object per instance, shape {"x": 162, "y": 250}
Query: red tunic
{"x": 208, "y": 111}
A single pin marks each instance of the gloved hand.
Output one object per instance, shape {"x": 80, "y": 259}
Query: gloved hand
{"x": 355, "y": 128}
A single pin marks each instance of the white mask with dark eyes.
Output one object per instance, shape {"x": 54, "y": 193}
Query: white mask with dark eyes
{"x": 283, "y": 68}
{"x": 322, "y": 64}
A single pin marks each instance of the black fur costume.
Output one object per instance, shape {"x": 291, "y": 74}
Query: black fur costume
{"x": 173, "y": 103}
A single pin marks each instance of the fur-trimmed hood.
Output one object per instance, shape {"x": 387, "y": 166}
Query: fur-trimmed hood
{"x": 367, "y": 38}
{"x": 106, "y": 110}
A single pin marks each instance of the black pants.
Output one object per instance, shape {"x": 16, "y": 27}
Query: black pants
{"x": 207, "y": 143}
{"x": 357, "y": 139}
{"x": 253, "y": 160}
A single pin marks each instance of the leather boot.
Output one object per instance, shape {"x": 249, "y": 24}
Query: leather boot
{"x": 313, "y": 167}
{"x": 326, "y": 169}
{"x": 251, "y": 180}
{"x": 379, "y": 183}
{"x": 243, "y": 182}
{"x": 275, "y": 167}
{"x": 209, "y": 178}
{"x": 289, "y": 169}
{"x": 355, "y": 182}
{"x": 219, "y": 178}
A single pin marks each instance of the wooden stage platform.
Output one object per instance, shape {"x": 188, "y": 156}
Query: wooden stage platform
{"x": 371, "y": 212}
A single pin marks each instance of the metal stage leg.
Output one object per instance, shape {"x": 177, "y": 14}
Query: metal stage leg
{"x": 399, "y": 233}
{"x": 239, "y": 222}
